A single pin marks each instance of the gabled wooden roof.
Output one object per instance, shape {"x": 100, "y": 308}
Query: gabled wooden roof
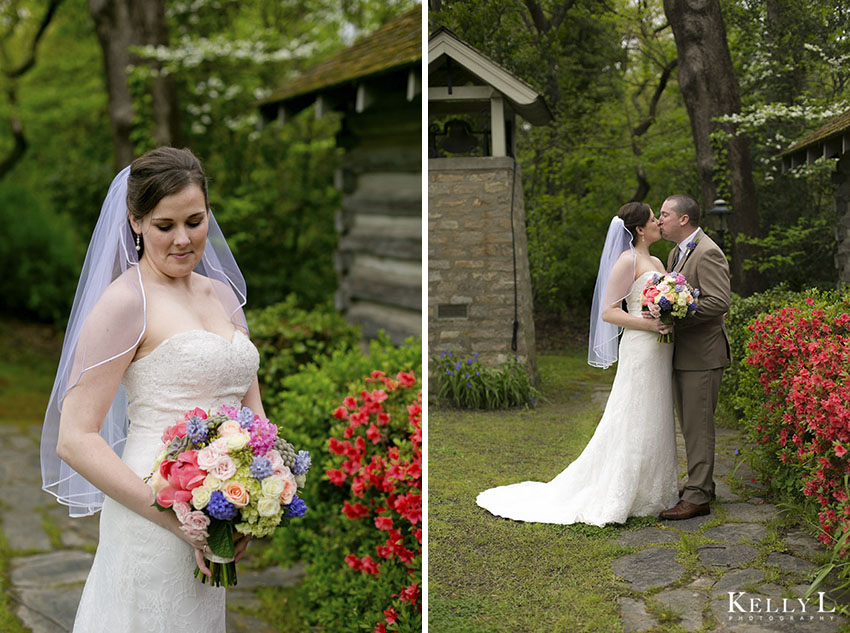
{"x": 443, "y": 44}
{"x": 396, "y": 44}
{"x": 830, "y": 140}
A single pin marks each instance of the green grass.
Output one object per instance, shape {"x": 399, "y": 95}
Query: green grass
{"x": 29, "y": 356}
{"x": 492, "y": 574}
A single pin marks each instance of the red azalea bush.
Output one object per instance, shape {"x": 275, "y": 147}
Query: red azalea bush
{"x": 799, "y": 358}
{"x": 382, "y": 469}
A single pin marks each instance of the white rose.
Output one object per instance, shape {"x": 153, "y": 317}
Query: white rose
{"x": 237, "y": 441}
{"x": 268, "y": 507}
{"x": 272, "y": 486}
{"x": 201, "y": 497}
{"x": 212, "y": 482}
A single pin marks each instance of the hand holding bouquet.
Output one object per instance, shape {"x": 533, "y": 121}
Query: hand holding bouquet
{"x": 225, "y": 472}
{"x": 668, "y": 296}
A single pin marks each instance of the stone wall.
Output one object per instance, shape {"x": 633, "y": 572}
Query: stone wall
{"x": 842, "y": 212}
{"x": 471, "y": 260}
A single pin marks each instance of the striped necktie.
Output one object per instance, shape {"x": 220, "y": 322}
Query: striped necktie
{"x": 676, "y": 257}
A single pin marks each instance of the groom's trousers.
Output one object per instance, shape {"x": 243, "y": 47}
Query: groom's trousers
{"x": 695, "y": 396}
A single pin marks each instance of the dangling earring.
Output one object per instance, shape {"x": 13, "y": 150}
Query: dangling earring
{"x": 138, "y": 242}
{"x": 643, "y": 238}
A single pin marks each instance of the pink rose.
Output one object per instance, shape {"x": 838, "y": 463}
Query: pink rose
{"x": 176, "y": 430}
{"x": 289, "y": 487}
{"x": 229, "y": 428}
{"x": 183, "y": 475}
{"x": 275, "y": 459}
{"x": 224, "y": 470}
{"x": 651, "y": 293}
{"x": 210, "y": 456}
{"x": 181, "y": 509}
{"x": 236, "y": 494}
{"x": 196, "y": 524}
{"x": 196, "y": 412}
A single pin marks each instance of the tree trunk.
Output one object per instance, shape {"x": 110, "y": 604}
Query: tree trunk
{"x": 121, "y": 24}
{"x": 710, "y": 89}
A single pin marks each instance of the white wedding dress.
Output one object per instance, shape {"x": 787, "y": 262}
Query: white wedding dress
{"x": 629, "y": 466}
{"x": 142, "y": 578}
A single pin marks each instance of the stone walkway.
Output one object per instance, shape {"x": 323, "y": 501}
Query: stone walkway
{"x": 52, "y": 553}
{"x": 682, "y": 575}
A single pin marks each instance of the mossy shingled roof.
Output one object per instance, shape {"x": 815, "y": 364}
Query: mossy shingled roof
{"x": 397, "y": 43}
{"x": 836, "y": 125}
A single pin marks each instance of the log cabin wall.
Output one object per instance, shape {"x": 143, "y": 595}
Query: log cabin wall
{"x": 378, "y": 261}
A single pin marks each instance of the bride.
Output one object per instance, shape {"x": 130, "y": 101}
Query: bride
{"x": 156, "y": 330}
{"x": 629, "y": 466}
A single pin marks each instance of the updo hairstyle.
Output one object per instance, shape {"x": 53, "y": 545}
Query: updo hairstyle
{"x": 162, "y": 172}
{"x": 633, "y": 215}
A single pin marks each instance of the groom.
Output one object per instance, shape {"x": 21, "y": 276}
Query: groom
{"x": 701, "y": 348}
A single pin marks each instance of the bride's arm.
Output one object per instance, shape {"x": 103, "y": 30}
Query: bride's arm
{"x": 617, "y": 316}
{"x": 620, "y": 279}
{"x": 252, "y": 399}
{"x": 85, "y": 406}
{"x": 83, "y": 448}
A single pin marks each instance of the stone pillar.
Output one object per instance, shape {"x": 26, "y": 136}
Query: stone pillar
{"x": 841, "y": 178}
{"x": 471, "y": 289}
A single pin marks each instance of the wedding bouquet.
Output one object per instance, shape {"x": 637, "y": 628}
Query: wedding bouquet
{"x": 668, "y": 296}
{"x": 224, "y": 472}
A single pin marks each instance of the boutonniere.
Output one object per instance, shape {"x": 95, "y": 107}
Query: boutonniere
{"x": 692, "y": 245}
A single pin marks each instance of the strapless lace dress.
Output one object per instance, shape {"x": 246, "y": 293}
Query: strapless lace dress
{"x": 629, "y": 466}
{"x": 142, "y": 578}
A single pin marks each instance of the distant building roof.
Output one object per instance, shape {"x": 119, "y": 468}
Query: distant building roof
{"x": 828, "y": 141}
{"x": 396, "y": 44}
{"x": 444, "y": 45}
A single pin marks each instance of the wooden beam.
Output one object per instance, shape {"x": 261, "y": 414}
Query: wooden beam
{"x": 460, "y": 93}
{"x": 812, "y": 154}
{"x": 364, "y": 99}
{"x": 497, "y": 126}
{"x": 414, "y": 84}
{"x": 832, "y": 148}
{"x": 322, "y": 107}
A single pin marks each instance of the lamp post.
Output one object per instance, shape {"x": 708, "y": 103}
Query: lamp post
{"x": 721, "y": 212}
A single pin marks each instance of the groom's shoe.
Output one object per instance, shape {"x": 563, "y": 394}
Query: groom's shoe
{"x": 685, "y": 510}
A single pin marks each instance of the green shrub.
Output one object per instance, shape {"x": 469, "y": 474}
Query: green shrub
{"x": 467, "y": 384}
{"x": 306, "y": 401}
{"x": 38, "y": 257}
{"x": 742, "y": 312}
{"x": 289, "y": 337}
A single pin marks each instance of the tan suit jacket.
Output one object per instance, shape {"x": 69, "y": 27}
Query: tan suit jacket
{"x": 700, "y": 339}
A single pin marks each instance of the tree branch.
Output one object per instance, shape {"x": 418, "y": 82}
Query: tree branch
{"x": 653, "y": 104}
{"x": 30, "y": 61}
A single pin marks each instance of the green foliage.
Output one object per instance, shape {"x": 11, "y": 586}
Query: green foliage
{"x": 271, "y": 189}
{"x": 38, "y": 256}
{"x": 797, "y": 255}
{"x": 289, "y": 337}
{"x": 306, "y": 400}
{"x": 467, "y": 384}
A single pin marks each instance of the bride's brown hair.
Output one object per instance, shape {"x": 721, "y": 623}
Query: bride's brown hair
{"x": 162, "y": 172}
{"x": 633, "y": 215}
